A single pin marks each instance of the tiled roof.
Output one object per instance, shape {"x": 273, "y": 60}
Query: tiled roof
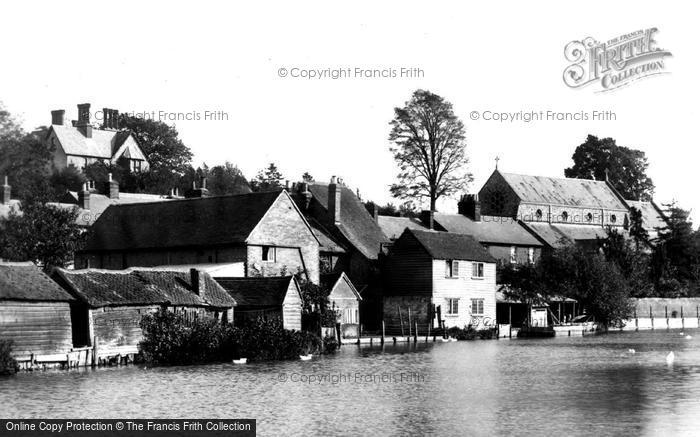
{"x": 564, "y": 191}
{"x": 327, "y": 243}
{"x": 100, "y": 288}
{"x": 177, "y": 223}
{"x": 446, "y": 245}
{"x": 103, "y": 144}
{"x": 24, "y": 281}
{"x": 100, "y": 202}
{"x": 652, "y": 216}
{"x": 557, "y": 235}
{"x": 356, "y": 225}
{"x": 489, "y": 230}
{"x": 259, "y": 291}
{"x": 393, "y": 227}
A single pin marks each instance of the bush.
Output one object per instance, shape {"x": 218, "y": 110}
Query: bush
{"x": 8, "y": 365}
{"x": 469, "y": 333}
{"x": 330, "y": 345}
{"x": 171, "y": 339}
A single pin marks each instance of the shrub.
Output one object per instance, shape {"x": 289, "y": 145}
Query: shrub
{"x": 469, "y": 333}
{"x": 171, "y": 339}
{"x": 8, "y": 365}
{"x": 330, "y": 345}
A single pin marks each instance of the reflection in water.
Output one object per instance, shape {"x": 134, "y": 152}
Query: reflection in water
{"x": 590, "y": 385}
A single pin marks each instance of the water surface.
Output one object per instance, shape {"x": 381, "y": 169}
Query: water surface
{"x": 589, "y": 385}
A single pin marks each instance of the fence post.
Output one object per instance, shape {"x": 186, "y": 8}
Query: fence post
{"x": 409, "y": 323}
{"x": 415, "y": 334}
{"x": 651, "y": 316}
{"x": 400, "y": 319}
{"x": 383, "y": 331}
{"x": 682, "y": 318}
{"x": 427, "y": 337}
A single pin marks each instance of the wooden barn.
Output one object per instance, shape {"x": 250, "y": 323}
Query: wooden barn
{"x": 267, "y": 297}
{"x": 345, "y": 299}
{"x": 34, "y": 313}
{"x": 111, "y": 303}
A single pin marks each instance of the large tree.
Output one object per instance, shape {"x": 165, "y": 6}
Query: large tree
{"x": 626, "y": 168}
{"x": 45, "y": 234}
{"x": 676, "y": 257}
{"x": 429, "y": 148}
{"x": 168, "y": 157}
{"x": 226, "y": 179}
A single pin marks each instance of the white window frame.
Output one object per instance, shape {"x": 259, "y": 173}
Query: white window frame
{"x": 477, "y": 307}
{"x": 451, "y": 268}
{"x": 531, "y": 255}
{"x": 452, "y": 306}
{"x": 513, "y": 254}
{"x": 477, "y": 270}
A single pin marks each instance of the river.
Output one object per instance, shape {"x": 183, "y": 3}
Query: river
{"x": 591, "y": 385}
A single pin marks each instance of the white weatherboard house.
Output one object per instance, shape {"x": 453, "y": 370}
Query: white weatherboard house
{"x": 440, "y": 273}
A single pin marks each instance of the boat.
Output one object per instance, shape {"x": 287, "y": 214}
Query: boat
{"x": 240, "y": 361}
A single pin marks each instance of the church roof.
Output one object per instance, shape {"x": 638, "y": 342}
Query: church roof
{"x": 564, "y": 191}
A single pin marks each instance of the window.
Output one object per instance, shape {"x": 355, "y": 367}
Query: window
{"x": 564, "y": 216}
{"x": 513, "y": 255}
{"x": 589, "y": 217}
{"x": 452, "y": 306}
{"x": 613, "y": 218}
{"x": 451, "y": 268}
{"x": 538, "y": 214}
{"x": 531, "y": 255}
{"x": 478, "y": 307}
{"x": 269, "y": 254}
{"x": 477, "y": 270}
{"x": 136, "y": 165}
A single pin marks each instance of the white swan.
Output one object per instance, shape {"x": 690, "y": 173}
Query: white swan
{"x": 670, "y": 358}
{"x": 632, "y": 351}
{"x": 688, "y": 337}
{"x": 305, "y": 357}
{"x": 241, "y": 361}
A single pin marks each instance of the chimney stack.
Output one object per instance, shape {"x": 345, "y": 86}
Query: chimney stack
{"x": 305, "y": 194}
{"x": 84, "y": 119}
{"x": 113, "y": 188}
{"x": 334, "y": 201}
{"x": 470, "y": 206}
{"x": 84, "y": 197}
{"x": 197, "y": 282}
{"x": 57, "y": 116}
{"x": 5, "y": 193}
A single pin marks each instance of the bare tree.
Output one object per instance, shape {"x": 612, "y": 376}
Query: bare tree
{"x": 429, "y": 148}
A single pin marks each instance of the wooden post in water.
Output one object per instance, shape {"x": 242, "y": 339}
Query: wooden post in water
{"x": 666, "y": 310}
{"x": 95, "y": 355}
{"x": 651, "y": 316}
{"x": 383, "y": 331}
{"x": 427, "y": 337}
{"x": 682, "y": 319}
{"x": 510, "y": 321}
{"x": 415, "y": 333}
{"x": 409, "y": 323}
{"x": 400, "y": 319}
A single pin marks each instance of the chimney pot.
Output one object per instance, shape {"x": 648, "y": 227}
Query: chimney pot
{"x": 470, "y": 206}
{"x": 84, "y": 197}
{"x": 333, "y": 180}
{"x": 57, "y": 116}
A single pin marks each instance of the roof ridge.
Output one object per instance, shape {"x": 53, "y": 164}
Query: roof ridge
{"x": 552, "y": 177}
{"x": 174, "y": 201}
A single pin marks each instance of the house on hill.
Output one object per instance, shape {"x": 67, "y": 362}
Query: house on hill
{"x": 557, "y": 211}
{"x": 111, "y": 303}
{"x": 267, "y": 297}
{"x": 439, "y": 277}
{"x": 34, "y": 313}
{"x": 255, "y": 234}
{"x": 80, "y": 143}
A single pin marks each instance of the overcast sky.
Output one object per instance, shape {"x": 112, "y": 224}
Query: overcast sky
{"x": 502, "y": 56}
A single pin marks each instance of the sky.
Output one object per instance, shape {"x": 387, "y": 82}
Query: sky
{"x": 240, "y": 58}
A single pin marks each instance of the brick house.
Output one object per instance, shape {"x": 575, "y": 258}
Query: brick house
{"x": 254, "y": 234}
{"x": 433, "y": 273}
{"x": 81, "y": 143}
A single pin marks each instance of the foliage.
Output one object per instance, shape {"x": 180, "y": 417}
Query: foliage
{"x": 675, "y": 263}
{"x": 638, "y": 233}
{"x": 429, "y": 148}
{"x": 8, "y": 365}
{"x": 315, "y": 301}
{"x": 469, "y": 333}
{"x": 406, "y": 209}
{"x": 167, "y": 155}
{"x": 42, "y": 233}
{"x": 226, "y": 179}
{"x": 626, "y": 167}
{"x": 67, "y": 179}
{"x": 24, "y": 159}
{"x": 171, "y": 339}
{"x": 268, "y": 179}
{"x": 306, "y": 177}
{"x": 630, "y": 260}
